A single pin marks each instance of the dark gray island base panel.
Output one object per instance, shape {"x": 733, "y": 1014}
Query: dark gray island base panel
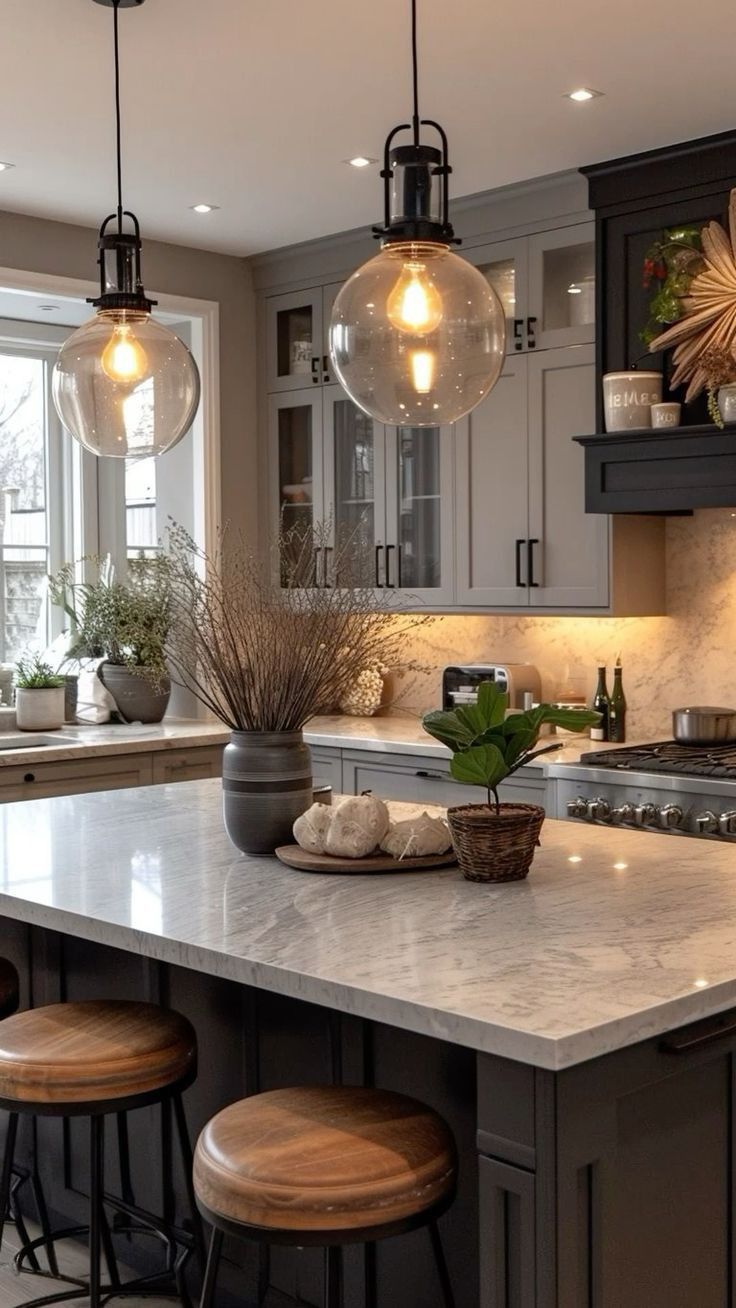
{"x": 607, "y": 1185}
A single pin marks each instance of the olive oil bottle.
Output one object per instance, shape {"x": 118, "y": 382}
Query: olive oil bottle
{"x": 617, "y": 710}
{"x": 602, "y": 705}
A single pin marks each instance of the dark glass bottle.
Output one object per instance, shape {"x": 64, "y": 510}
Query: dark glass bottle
{"x": 602, "y": 705}
{"x": 617, "y": 711}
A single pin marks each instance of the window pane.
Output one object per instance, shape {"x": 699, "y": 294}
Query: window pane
{"x": 24, "y": 527}
{"x": 140, "y": 507}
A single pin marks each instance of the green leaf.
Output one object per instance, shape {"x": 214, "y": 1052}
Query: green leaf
{"x": 448, "y": 729}
{"x": 518, "y": 745}
{"x": 473, "y": 718}
{"x": 569, "y": 718}
{"x": 483, "y": 765}
{"x": 492, "y": 703}
{"x": 492, "y": 737}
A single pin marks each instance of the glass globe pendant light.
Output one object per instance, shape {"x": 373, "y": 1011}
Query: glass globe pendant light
{"x": 124, "y": 385}
{"x": 417, "y": 335}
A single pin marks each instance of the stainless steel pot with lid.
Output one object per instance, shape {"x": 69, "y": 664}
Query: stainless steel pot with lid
{"x": 704, "y": 725}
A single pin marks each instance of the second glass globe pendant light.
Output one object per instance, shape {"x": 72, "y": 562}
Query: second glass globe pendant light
{"x": 417, "y": 335}
{"x": 124, "y": 385}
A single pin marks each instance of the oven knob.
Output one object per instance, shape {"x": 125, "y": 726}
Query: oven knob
{"x": 727, "y": 823}
{"x": 598, "y": 809}
{"x": 706, "y": 821}
{"x": 623, "y": 814}
{"x": 577, "y": 808}
{"x": 643, "y": 814}
{"x": 670, "y": 815}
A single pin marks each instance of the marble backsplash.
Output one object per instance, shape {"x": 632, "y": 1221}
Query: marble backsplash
{"x": 687, "y": 657}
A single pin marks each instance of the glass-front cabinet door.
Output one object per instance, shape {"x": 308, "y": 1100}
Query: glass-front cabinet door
{"x": 294, "y": 334}
{"x": 295, "y": 470}
{"x": 354, "y": 479}
{"x": 504, "y": 265}
{"x": 419, "y": 547}
{"x": 562, "y": 286}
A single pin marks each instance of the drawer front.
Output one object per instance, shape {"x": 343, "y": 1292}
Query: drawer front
{"x": 196, "y": 764}
{"x": 427, "y": 781}
{"x": 327, "y": 768}
{"x": 75, "y": 777}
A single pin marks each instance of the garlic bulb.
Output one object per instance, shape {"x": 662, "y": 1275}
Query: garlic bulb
{"x": 358, "y": 825}
{"x": 416, "y": 837}
{"x": 310, "y": 829}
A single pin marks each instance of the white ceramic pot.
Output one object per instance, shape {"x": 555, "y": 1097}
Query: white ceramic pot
{"x": 727, "y": 402}
{"x": 40, "y": 710}
{"x": 628, "y": 398}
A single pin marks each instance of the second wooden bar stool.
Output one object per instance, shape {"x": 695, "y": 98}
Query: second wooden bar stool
{"x": 89, "y": 1060}
{"x": 324, "y": 1166}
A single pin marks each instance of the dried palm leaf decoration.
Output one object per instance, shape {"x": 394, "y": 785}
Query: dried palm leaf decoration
{"x": 709, "y": 320}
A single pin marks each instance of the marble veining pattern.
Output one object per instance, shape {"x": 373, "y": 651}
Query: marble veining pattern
{"x": 112, "y": 738}
{"x": 634, "y": 937}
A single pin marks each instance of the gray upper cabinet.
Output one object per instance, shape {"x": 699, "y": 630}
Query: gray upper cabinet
{"x": 297, "y": 348}
{"x": 491, "y": 494}
{"x": 546, "y": 284}
{"x": 419, "y": 549}
{"x": 568, "y": 565}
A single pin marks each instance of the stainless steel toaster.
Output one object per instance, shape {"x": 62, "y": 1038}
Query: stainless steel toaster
{"x": 460, "y": 683}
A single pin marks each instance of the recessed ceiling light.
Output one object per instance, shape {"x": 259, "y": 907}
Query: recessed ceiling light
{"x": 575, "y": 858}
{"x": 583, "y": 93}
{"x": 48, "y": 308}
{"x": 204, "y": 208}
{"x": 361, "y": 161}
{"x": 574, "y": 290}
{"x": 5, "y": 166}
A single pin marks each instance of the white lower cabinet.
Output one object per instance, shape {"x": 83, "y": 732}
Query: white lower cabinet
{"x": 413, "y": 778}
{"x": 111, "y": 772}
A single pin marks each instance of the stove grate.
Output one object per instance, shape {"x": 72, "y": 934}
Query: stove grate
{"x": 668, "y": 756}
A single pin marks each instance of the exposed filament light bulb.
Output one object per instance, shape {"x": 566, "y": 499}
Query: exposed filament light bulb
{"x": 422, "y": 364}
{"x": 415, "y": 304}
{"x": 123, "y": 358}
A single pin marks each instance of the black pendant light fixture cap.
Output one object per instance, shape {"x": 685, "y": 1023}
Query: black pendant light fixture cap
{"x": 119, "y": 259}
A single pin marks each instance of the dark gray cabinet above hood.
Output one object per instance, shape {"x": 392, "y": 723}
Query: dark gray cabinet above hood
{"x": 660, "y": 472}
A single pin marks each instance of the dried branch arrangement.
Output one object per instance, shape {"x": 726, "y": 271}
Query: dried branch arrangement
{"x": 709, "y": 319}
{"x": 264, "y": 657}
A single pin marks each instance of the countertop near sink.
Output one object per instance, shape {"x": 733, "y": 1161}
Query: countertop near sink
{"x": 406, "y": 735}
{"x": 111, "y": 739}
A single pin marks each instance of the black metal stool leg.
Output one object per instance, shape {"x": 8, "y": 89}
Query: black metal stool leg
{"x": 213, "y": 1264}
{"x": 442, "y": 1272}
{"x": 333, "y": 1276}
{"x": 39, "y": 1199}
{"x": 187, "y": 1162}
{"x": 96, "y": 1216}
{"x": 6, "y": 1176}
{"x": 264, "y": 1273}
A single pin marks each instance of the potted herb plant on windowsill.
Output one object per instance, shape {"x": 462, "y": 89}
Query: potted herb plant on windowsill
{"x": 496, "y": 841}
{"x": 39, "y": 696}
{"x": 125, "y": 623}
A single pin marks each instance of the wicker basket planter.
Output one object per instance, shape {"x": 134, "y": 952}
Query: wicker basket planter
{"x": 495, "y": 846}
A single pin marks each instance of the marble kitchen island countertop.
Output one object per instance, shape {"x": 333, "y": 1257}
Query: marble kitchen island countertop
{"x": 616, "y": 936}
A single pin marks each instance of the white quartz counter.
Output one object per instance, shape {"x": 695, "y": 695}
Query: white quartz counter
{"x": 616, "y": 936}
{"x": 72, "y": 742}
{"x": 406, "y": 735}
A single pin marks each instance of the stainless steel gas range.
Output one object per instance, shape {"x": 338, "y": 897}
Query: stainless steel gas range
{"x": 682, "y": 790}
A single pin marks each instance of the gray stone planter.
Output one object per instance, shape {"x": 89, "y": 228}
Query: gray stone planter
{"x": 266, "y": 785}
{"x": 136, "y": 698}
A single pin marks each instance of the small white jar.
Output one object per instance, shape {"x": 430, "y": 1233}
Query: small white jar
{"x": 39, "y": 709}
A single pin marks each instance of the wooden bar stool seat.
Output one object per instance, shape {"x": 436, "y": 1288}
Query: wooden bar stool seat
{"x": 98, "y": 1059}
{"x": 80, "y": 1054}
{"x": 324, "y": 1166}
{"x": 9, "y": 988}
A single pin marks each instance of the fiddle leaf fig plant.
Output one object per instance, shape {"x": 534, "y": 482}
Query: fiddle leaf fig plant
{"x": 489, "y": 744}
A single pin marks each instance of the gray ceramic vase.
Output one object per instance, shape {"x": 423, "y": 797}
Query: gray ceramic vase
{"x": 137, "y": 700}
{"x": 266, "y": 785}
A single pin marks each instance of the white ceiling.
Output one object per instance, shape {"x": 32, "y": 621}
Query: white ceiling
{"x": 253, "y": 104}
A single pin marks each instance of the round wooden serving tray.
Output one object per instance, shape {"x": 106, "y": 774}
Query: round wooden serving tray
{"x": 304, "y": 861}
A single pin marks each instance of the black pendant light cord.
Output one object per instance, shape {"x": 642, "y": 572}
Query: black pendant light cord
{"x": 414, "y": 66}
{"x": 118, "y": 133}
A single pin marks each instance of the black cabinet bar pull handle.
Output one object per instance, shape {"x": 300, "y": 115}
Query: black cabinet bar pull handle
{"x": 398, "y": 567}
{"x": 519, "y": 547}
{"x": 317, "y": 583}
{"x": 530, "y": 562}
{"x": 531, "y": 330}
{"x": 326, "y": 367}
{"x": 695, "y": 1037}
{"x": 390, "y": 585}
{"x": 327, "y": 551}
{"x": 315, "y": 369}
{"x": 518, "y": 329}
{"x": 378, "y": 564}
